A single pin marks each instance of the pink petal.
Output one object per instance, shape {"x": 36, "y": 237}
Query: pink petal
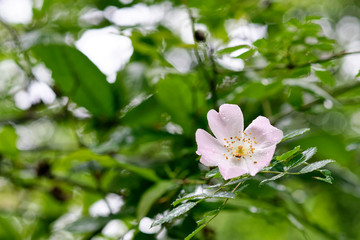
{"x": 265, "y": 134}
{"x": 260, "y": 159}
{"x": 228, "y": 171}
{"x": 229, "y": 122}
{"x": 210, "y": 149}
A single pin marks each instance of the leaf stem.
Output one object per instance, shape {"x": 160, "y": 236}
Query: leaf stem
{"x": 219, "y": 209}
{"x": 223, "y": 185}
{"x": 278, "y": 172}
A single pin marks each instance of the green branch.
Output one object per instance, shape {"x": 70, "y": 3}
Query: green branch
{"x": 293, "y": 66}
{"x": 216, "y": 214}
{"x": 338, "y": 91}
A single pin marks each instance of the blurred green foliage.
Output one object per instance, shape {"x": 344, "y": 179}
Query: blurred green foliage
{"x": 101, "y": 156}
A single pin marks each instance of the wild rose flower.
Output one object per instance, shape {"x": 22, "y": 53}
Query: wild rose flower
{"x": 234, "y": 151}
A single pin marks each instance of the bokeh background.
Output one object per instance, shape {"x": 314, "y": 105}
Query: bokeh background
{"x": 100, "y": 101}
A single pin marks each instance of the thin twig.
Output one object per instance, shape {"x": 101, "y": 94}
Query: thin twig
{"x": 293, "y": 66}
{"x": 211, "y": 79}
{"x": 305, "y": 107}
{"x": 16, "y": 39}
{"x": 278, "y": 172}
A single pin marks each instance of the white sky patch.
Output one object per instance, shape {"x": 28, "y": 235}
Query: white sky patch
{"x": 34, "y": 134}
{"x": 145, "y": 226}
{"x": 173, "y": 128}
{"x": 241, "y": 33}
{"x": 129, "y": 235}
{"x": 178, "y": 21}
{"x": 37, "y": 91}
{"x": 42, "y": 73}
{"x": 180, "y": 59}
{"x": 348, "y": 29}
{"x": 16, "y": 11}
{"x": 22, "y": 100}
{"x": 79, "y": 112}
{"x": 101, "y": 208}
{"x": 126, "y": 1}
{"x": 12, "y": 77}
{"x": 347, "y": 32}
{"x": 40, "y": 91}
{"x": 139, "y": 14}
{"x": 115, "y": 229}
{"x": 38, "y": 4}
{"x": 248, "y": 32}
{"x": 234, "y": 64}
{"x": 326, "y": 27}
{"x": 108, "y": 50}
{"x": 92, "y": 16}
{"x": 68, "y": 218}
{"x": 355, "y": 122}
{"x": 351, "y": 63}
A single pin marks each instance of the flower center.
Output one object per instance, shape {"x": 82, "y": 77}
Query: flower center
{"x": 238, "y": 147}
{"x": 240, "y": 151}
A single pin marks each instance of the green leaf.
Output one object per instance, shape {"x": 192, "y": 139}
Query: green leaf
{"x": 203, "y": 222}
{"x": 330, "y": 146}
{"x": 257, "y": 90}
{"x": 324, "y": 46}
{"x": 84, "y": 155}
{"x": 208, "y": 214}
{"x": 9, "y": 230}
{"x": 213, "y": 173}
{"x": 312, "y": 88}
{"x": 295, "y": 97}
{"x": 295, "y": 134}
{"x": 294, "y": 22}
{"x": 288, "y": 154}
{"x": 175, "y": 213}
{"x": 326, "y": 77}
{"x": 311, "y": 18}
{"x": 358, "y": 75}
{"x": 301, "y": 158}
{"x": 223, "y": 195}
{"x": 314, "y": 166}
{"x": 299, "y": 72}
{"x": 150, "y": 196}
{"x": 232, "y": 49}
{"x": 146, "y": 173}
{"x": 198, "y": 229}
{"x": 326, "y": 179}
{"x": 78, "y": 78}
{"x": 87, "y": 224}
{"x": 295, "y": 222}
{"x": 261, "y": 43}
{"x": 8, "y": 139}
{"x": 325, "y": 172}
{"x": 192, "y": 196}
{"x": 247, "y": 54}
{"x": 176, "y": 97}
{"x": 149, "y": 111}
{"x": 273, "y": 178}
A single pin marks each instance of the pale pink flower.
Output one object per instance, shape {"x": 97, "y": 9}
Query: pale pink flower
{"x": 234, "y": 151}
